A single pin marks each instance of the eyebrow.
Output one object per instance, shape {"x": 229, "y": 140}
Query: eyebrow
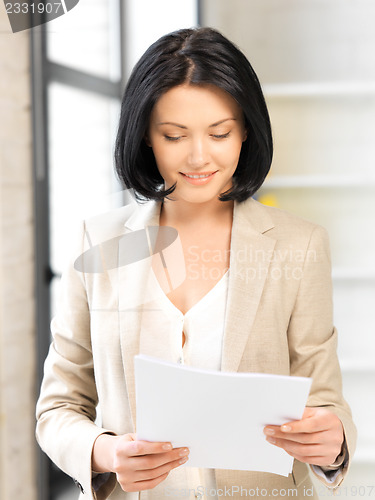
{"x": 184, "y": 127}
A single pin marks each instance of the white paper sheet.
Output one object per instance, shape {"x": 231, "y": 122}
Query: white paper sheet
{"x": 220, "y": 416}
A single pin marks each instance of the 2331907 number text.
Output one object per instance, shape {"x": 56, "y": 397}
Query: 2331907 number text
{"x": 32, "y": 8}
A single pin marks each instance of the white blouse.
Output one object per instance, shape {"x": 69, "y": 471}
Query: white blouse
{"x": 203, "y": 325}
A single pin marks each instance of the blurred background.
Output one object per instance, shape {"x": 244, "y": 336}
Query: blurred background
{"x": 60, "y": 90}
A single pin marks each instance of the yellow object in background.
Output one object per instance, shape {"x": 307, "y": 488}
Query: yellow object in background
{"x": 268, "y": 199}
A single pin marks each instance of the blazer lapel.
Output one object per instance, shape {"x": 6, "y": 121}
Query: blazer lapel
{"x": 250, "y": 255}
{"x": 133, "y": 282}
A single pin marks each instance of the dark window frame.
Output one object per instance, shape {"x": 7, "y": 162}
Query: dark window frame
{"x": 43, "y": 73}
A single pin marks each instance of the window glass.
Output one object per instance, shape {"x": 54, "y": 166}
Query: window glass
{"x": 81, "y": 175}
{"x": 86, "y": 38}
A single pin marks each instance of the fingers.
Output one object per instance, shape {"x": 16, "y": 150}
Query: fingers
{"x": 141, "y": 485}
{"x": 138, "y": 448}
{"x": 155, "y": 461}
{"x": 147, "y": 479}
{"x": 323, "y": 453}
{"x": 141, "y": 465}
{"x": 155, "y": 472}
{"x": 315, "y": 454}
{"x": 295, "y": 448}
{"x": 316, "y": 438}
{"x": 301, "y": 437}
{"x": 314, "y": 420}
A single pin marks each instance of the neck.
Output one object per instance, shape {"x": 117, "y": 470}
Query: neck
{"x": 182, "y": 214}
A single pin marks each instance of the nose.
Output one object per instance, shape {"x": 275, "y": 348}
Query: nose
{"x": 198, "y": 153}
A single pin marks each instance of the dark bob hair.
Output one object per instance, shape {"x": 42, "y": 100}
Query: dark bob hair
{"x": 197, "y": 56}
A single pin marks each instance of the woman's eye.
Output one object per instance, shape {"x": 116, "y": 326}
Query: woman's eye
{"x": 221, "y": 136}
{"x": 172, "y": 138}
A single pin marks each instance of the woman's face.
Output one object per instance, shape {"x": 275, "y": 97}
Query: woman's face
{"x": 196, "y": 130}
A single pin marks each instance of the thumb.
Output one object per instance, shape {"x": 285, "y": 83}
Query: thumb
{"x": 129, "y": 437}
{"x": 311, "y": 412}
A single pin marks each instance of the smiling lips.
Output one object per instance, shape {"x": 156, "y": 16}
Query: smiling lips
{"x": 198, "y": 179}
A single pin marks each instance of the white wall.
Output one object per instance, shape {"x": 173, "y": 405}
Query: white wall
{"x": 315, "y": 60}
{"x": 148, "y": 20}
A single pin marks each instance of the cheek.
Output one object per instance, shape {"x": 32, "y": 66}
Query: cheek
{"x": 166, "y": 158}
{"x": 230, "y": 154}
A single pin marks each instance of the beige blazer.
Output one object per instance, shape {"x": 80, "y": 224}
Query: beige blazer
{"x": 278, "y": 320}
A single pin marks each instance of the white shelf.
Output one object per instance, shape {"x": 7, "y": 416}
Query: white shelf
{"x": 318, "y": 89}
{"x": 353, "y": 366}
{"x": 318, "y": 181}
{"x": 353, "y": 274}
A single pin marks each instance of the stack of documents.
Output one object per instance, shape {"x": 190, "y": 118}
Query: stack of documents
{"x": 219, "y": 416}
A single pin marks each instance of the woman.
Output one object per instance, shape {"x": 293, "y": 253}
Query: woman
{"x": 194, "y": 142}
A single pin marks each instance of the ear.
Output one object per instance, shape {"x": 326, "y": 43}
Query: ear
{"x": 147, "y": 140}
{"x": 244, "y": 137}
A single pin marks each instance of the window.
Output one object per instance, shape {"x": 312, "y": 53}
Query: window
{"x": 80, "y": 63}
{"x": 77, "y": 85}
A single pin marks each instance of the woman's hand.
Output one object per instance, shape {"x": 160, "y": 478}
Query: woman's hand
{"x": 138, "y": 465}
{"x": 315, "y": 439}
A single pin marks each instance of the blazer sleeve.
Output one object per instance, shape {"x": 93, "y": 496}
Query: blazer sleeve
{"x": 312, "y": 342}
{"x": 66, "y": 408}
